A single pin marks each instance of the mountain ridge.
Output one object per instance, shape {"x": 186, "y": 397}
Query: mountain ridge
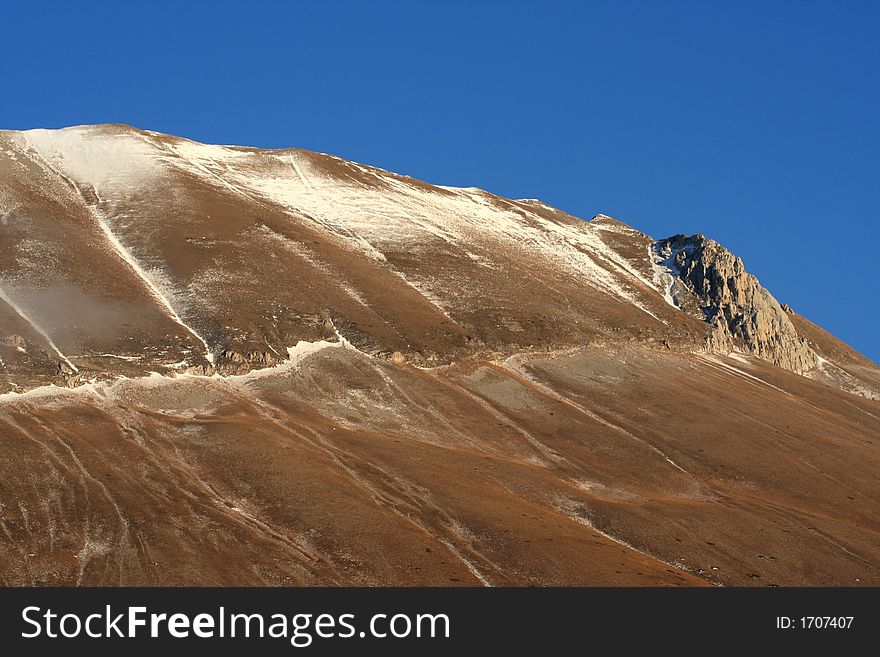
{"x": 290, "y": 369}
{"x": 609, "y": 254}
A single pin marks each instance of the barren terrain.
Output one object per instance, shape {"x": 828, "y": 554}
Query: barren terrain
{"x": 221, "y": 365}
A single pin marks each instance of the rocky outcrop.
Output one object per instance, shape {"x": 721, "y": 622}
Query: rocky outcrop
{"x": 234, "y": 362}
{"x": 15, "y": 341}
{"x": 740, "y": 311}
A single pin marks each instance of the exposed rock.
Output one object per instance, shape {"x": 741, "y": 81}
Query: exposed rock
{"x": 15, "y": 341}
{"x": 233, "y": 362}
{"x": 741, "y": 313}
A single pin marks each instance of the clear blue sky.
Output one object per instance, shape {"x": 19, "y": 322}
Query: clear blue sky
{"x": 757, "y": 123}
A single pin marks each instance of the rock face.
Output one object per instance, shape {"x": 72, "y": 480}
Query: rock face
{"x": 740, "y": 311}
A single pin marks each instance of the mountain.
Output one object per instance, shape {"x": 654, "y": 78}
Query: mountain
{"x": 226, "y": 365}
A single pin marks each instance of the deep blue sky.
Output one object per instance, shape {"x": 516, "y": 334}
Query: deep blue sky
{"x": 757, "y": 123}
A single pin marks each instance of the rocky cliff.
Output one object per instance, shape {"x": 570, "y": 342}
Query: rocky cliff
{"x": 741, "y": 313}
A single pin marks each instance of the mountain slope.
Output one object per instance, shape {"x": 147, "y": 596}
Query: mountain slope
{"x": 224, "y": 365}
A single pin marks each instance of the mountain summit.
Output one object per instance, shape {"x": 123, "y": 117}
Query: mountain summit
{"x": 127, "y": 252}
{"x": 227, "y": 365}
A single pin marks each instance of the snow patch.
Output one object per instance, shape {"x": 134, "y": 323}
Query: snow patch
{"x": 132, "y": 359}
{"x": 97, "y": 155}
{"x": 667, "y": 277}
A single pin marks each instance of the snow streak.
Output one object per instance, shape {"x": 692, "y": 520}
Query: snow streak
{"x": 157, "y": 294}
{"x": 5, "y": 297}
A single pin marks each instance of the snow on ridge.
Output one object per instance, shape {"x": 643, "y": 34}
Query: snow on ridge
{"x": 538, "y": 202}
{"x": 394, "y": 212}
{"x": 132, "y": 359}
{"x": 194, "y": 150}
{"x": 50, "y": 390}
{"x": 368, "y": 216}
{"x": 296, "y": 355}
{"x": 96, "y": 157}
{"x": 610, "y": 226}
